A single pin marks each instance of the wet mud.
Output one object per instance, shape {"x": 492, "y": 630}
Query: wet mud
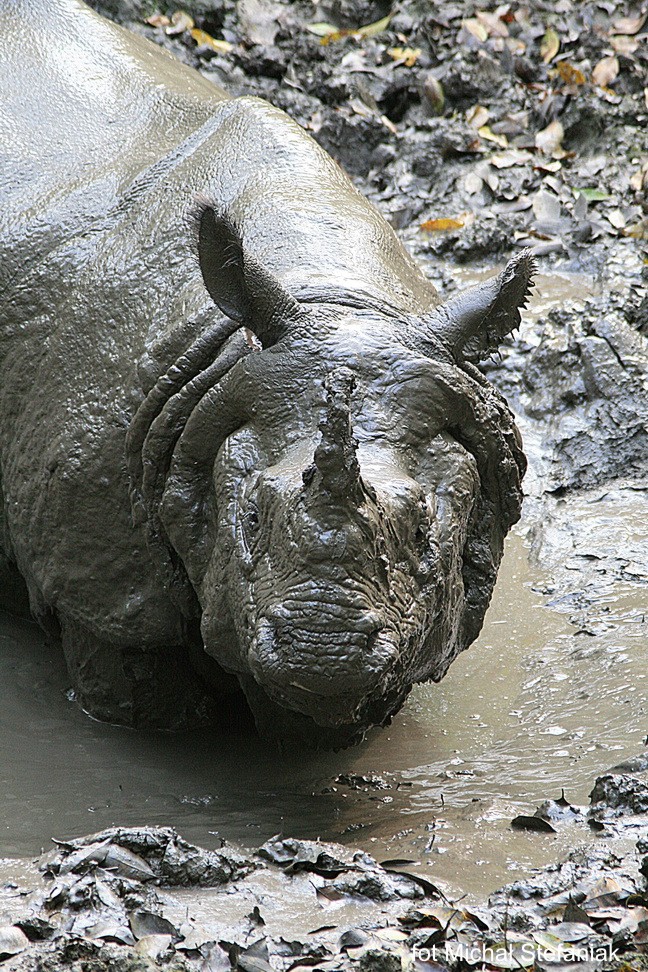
{"x": 110, "y": 901}
{"x": 483, "y": 143}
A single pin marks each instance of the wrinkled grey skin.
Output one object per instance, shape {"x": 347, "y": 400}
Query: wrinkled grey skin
{"x": 316, "y": 513}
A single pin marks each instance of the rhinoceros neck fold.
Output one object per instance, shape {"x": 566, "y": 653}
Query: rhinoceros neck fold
{"x": 357, "y": 299}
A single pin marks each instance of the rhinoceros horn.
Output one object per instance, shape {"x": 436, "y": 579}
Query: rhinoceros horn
{"x": 335, "y": 457}
{"x": 473, "y": 323}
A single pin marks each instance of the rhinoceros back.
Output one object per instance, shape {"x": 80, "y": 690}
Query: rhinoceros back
{"x": 91, "y": 120}
{"x": 85, "y": 107}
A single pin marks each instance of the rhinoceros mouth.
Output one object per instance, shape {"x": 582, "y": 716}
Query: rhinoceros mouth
{"x": 288, "y": 727}
{"x": 327, "y": 675}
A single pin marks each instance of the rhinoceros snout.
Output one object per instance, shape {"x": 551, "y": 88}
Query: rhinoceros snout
{"x": 326, "y": 674}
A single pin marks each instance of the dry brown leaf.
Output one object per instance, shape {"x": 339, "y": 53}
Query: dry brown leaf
{"x": 549, "y": 140}
{"x": 605, "y": 71}
{"x": 321, "y": 29}
{"x": 639, "y": 179}
{"x": 473, "y": 183}
{"x": 408, "y": 56}
{"x": 477, "y": 116}
{"x": 476, "y": 28}
{"x": 389, "y": 125}
{"x": 515, "y": 45}
{"x": 328, "y": 32}
{"x": 638, "y": 231}
{"x": 616, "y": 217}
{"x": 370, "y": 30}
{"x": 442, "y": 225}
{"x": 570, "y": 74}
{"x": 553, "y": 166}
{"x": 630, "y": 25}
{"x": 550, "y": 45}
{"x": 180, "y": 21}
{"x": 505, "y": 160}
{"x": 203, "y": 39}
{"x": 490, "y": 136}
{"x": 434, "y": 94}
{"x": 624, "y": 44}
{"x": 157, "y": 20}
{"x": 493, "y": 24}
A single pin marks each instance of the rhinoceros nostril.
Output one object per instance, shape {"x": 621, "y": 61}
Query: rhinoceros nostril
{"x": 368, "y": 623}
{"x": 372, "y": 640}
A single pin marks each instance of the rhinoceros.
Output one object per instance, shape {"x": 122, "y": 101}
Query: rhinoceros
{"x": 243, "y": 443}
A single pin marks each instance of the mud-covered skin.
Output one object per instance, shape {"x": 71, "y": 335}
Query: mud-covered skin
{"x": 330, "y": 510}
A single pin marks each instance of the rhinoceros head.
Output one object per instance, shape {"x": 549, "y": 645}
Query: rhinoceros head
{"x": 335, "y": 513}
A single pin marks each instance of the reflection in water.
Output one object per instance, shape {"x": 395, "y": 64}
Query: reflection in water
{"x": 532, "y": 707}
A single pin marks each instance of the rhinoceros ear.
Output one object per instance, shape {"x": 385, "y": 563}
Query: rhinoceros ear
{"x": 473, "y": 323}
{"x": 237, "y": 283}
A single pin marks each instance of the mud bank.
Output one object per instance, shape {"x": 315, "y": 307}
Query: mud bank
{"x": 144, "y": 898}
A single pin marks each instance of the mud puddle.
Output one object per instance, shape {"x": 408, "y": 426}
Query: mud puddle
{"x": 531, "y": 708}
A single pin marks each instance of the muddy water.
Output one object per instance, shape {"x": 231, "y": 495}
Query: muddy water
{"x": 532, "y": 707}
{"x": 538, "y": 704}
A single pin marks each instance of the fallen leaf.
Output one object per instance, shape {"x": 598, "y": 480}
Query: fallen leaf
{"x": 406, "y": 55}
{"x": 477, "y": 29}
{"x": 180, "y": 21}
{"x": 624, "y": 44}
{"x": 157, "y": 20}
{"x": 593, "y": 195}
{"x": 550, "y": 45}
{"x": 322, "y": 29}
{"x": 370, "y": 30}
{"x": 203, "y": 39}
{"x": 490, "y": 136}
{"x": 389, "y": 125}
{"x": 605, "y": 71}
{"x": 546, "y": 207}
{"x": 573, "y": 912}
{"x": 493, "y": 23}
{"x": 553, "y": 166}
{"x": 549, "y": 140}
{"x": 549, "y": 943}
{"x": 639, "y": 179}
{"x": 391, "y": 934}
{"x": 328, "y": 896}
{"x": 477, "y": 116}
{"x": 638, "y": 231}
{"x": 441, "y": 225}
{"x": 473, "y": 183}
{"x": 504, "y": 160}
{"x": 328, "y": 32}
{"x": 523, "y": 822}
{"x": 12, "y": 941}
{"x": 153, "y": 946}
{"x": 127, "y": 864}
{"x": 569, "y": 74}
{"x": 630, "y": 25}
{"x": 144, "y": 923}
{"x": 617, "y": 218}
{"x": 434, "y": 94}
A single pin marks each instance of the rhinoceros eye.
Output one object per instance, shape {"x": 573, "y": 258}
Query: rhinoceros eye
{"x": 251, "y": 520}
